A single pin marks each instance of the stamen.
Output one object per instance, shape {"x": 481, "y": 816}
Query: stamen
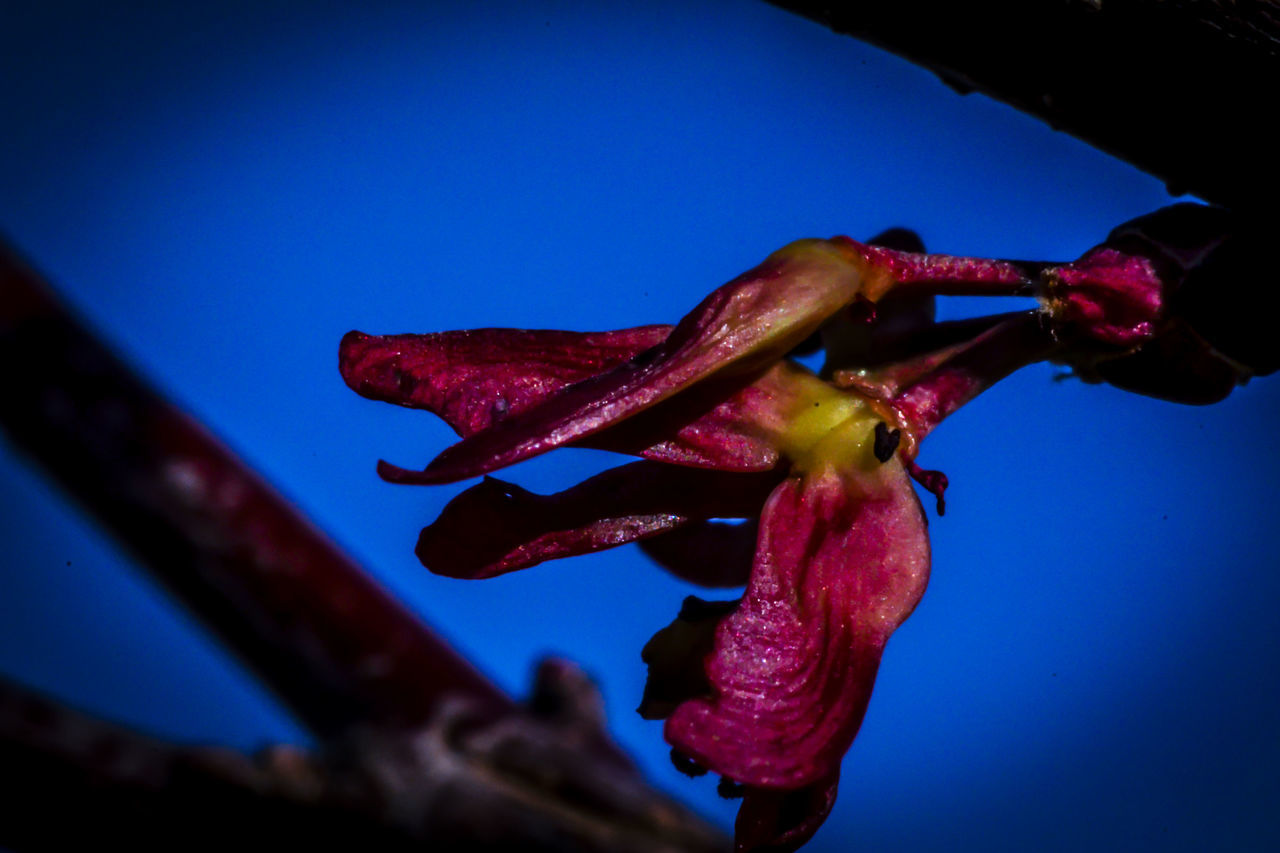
{"x": 934, "y": 482}
{"x": 886, "y": 442}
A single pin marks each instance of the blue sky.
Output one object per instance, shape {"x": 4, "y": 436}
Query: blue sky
{"x": 224, "y": 189}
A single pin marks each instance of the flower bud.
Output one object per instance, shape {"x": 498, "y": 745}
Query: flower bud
{"x": 1208, "y": 333}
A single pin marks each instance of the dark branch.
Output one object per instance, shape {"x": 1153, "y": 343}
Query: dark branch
{"x": 1179, "y": 89}
{"x": 417, "y": 747}
{"x": 70, "y": 782}
{"x": 324, "y": 635}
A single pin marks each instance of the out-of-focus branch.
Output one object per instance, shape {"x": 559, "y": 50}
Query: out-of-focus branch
{"x": 324, "y": 635}
{"x": 1180, "y": 89}
{"x": 69, "y": 781}
{"x": 416, "y": 746}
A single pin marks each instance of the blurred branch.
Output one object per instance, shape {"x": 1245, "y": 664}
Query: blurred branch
{"x": 1179, "y": 89}
{"x": 416, "y": 745}
{"x": 70, "y": 781}
{"x": 324, "y": 635}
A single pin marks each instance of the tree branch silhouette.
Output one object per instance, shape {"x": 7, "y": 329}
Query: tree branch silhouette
{"x": 1178, "y": 89}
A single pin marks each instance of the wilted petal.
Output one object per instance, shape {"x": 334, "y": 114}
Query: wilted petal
{"x": 782, "y": 821}
{"x": 473, "y": 379}
{"x": 496, "y": 527}
{"x": 731, "y": 424}
{"x": 842, "y": 560}
{"x": 737, "y": 330}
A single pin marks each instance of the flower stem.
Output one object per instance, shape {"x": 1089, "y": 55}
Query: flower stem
{"x": 951, "y": 275}
{"x": 966, "y": 370}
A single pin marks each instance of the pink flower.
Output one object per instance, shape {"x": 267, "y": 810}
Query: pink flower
{"x": 769, "y": 691}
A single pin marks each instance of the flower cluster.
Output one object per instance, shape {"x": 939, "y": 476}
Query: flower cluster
{"x": 768, "y": 691}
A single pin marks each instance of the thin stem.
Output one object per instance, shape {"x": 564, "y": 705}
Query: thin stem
{"x": 898, "y": 361}
{"x": 969, "y": 369}
{"x": 919, "y": 392}
{"x": 951, "y": 275}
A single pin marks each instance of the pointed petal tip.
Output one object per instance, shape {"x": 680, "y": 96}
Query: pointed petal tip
{"x": 439, "y": 472}
{"x": 369, "y": 364}
{"x": 783, "y": 821}
{"x": 349, "y": 349}
{"x": 402, "y": 476}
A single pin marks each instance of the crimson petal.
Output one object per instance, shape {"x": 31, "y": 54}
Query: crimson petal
{"x": 738, "y": 329}
{"x": 473, "y": 379}
{"x": 496, "y": 527}
{"x": 476, "y": 378}
{"x": 842, "y": 560}
{"x": 782, "y": 821}
{"x": 729, "y": 425}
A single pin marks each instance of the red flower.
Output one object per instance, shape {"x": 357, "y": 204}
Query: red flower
{"x": 768, "y": 691}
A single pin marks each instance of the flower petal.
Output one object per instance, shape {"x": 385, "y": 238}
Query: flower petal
{"x": 737, "y": 330}
{"x": 473, "y": 379}
{"x": 728, "y": 425}
{"x": 782, "y": 821}
{"x": 496, "y": 527}
{"x": 842, "y": 560}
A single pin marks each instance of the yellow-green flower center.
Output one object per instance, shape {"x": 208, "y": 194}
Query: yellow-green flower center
{"x": 828, "y": 428}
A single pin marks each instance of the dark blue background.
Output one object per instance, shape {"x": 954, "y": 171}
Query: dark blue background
{"x": 223, "y": 190}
